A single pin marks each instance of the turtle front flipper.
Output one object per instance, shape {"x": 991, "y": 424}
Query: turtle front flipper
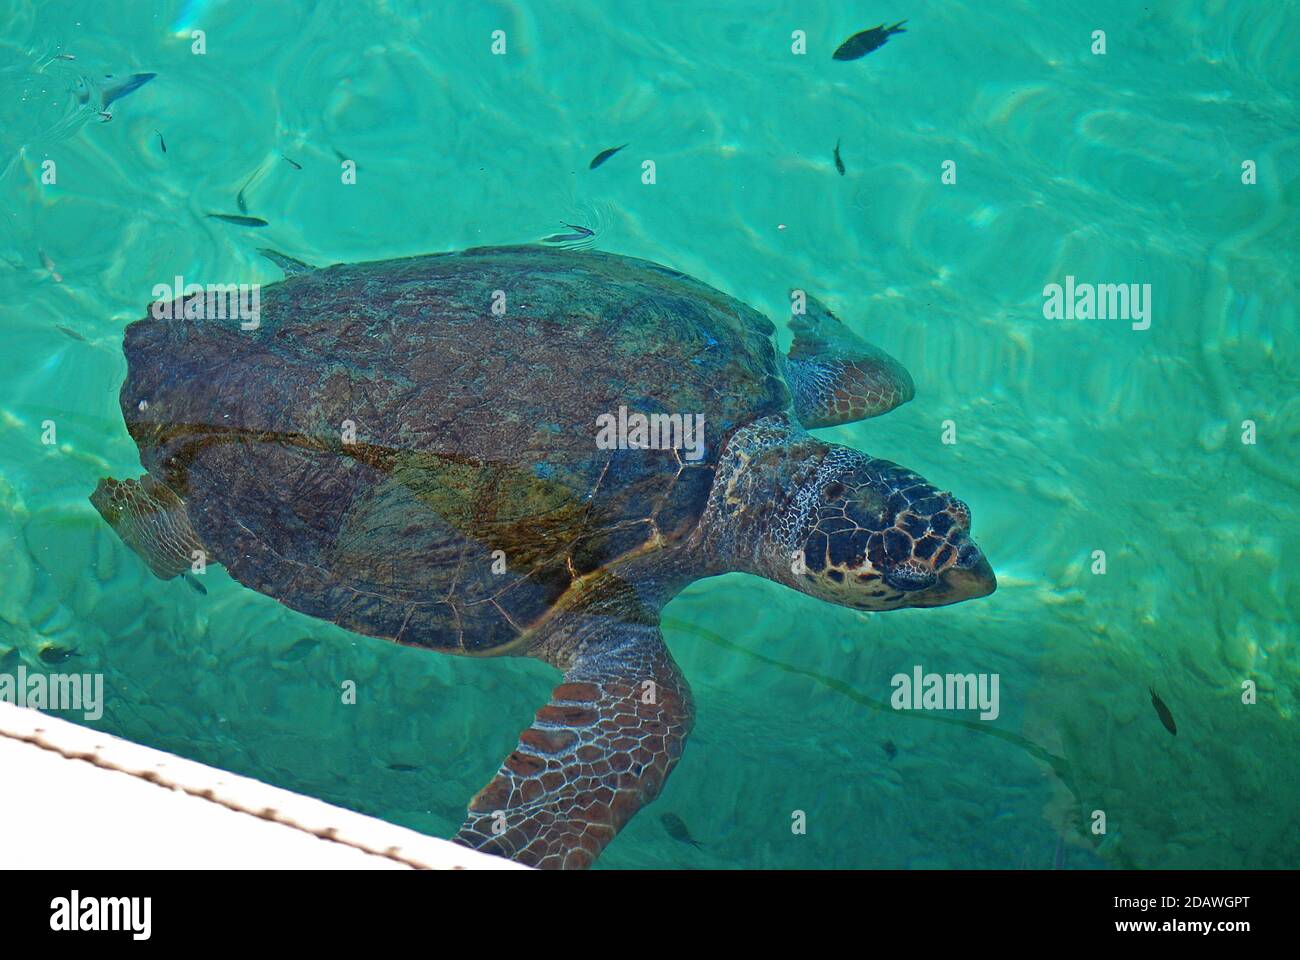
{"x": 151, "y": 520}
{"x": 837, "y": 377}
{"x": 598, "y": 752}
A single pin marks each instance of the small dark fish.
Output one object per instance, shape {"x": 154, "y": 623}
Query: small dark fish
{"x": 861, "y": 44}
{"x": 240, "y": 200}
{"x": 604, "y": 155}
{"x": 839, "y": 163}
{"x": 582, "y": 234}
{"x": 891, "y": 751}
{"x": 402, "y": 767}
{"x": 342, "y": 159}
{"x": 53, "y": 654}
{"x": 105, "y": 116}
{"x": 70, "y": 332}
{"x": 161, "y": 142}
{"x": 120, "y": 90}
{"x": 48, "y": 264}
{"x": 1163, "y": 713}
{"x": 239, "y": 197}
{"x": 239, "y": 221}
{"x": 64, "y": 56}
{"x": 293, "y": 163}
{"x": 197, "y": 587}
{"x": 677, "y": 830}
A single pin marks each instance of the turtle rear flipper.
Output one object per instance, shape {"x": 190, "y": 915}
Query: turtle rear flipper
{"x": 598, "y": 752}
{"x": 151, "y": 520}
{"x": 837, "y": 377}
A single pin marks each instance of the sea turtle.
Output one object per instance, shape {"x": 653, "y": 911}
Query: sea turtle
{"x": 444, "y": 451}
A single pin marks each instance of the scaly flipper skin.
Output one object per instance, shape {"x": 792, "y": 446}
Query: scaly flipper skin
{"x": 598, "y": 752}
{"x": 835, "y": 376}
{"x": 151, "y": 520}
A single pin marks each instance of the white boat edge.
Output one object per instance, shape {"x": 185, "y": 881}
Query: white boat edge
{"x": 75, "y": 798}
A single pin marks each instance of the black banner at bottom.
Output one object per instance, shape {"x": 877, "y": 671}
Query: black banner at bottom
{"x": 332, "y": 909}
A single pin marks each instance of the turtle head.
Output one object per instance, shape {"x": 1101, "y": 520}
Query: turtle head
{"x": 873, "y": 535}
{"x": 839, "y": 525}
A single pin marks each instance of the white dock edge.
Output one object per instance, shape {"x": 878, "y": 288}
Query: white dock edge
{"x": 74, "y": 798}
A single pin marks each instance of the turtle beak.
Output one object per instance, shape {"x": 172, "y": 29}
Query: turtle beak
{"x": 961, "y": 583}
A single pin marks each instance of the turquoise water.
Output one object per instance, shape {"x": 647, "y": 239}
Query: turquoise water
{"x": 1072, "y": 435}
